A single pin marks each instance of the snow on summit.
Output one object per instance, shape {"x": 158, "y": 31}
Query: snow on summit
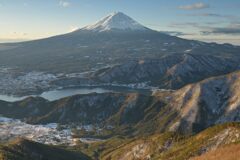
{"x": 116, "y": 20}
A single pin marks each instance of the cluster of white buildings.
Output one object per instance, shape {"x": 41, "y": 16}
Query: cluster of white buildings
{"x": 46, "y": 134}
{"x": 18, "y": 82}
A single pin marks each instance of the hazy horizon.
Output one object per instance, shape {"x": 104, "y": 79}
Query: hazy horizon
{"x": 210, "y": 21}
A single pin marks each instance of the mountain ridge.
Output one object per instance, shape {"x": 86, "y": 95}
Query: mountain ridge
{"x": 169, "y": 72}
{"x": 187, "y": 110}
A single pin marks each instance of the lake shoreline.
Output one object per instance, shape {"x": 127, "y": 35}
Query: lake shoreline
{"x": 62, "y": 92}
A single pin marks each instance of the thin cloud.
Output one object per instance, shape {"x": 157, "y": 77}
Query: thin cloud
{"x": 235, "y": 24}
{"x": 5, "y": 40}
{"x": 231, "y": 29}
{"x": 220, "y": 31}
{"x": 177, "y": 33}
{"x": 208, "y": 15}
{"x": 195, "y": 6}
{"x": 64, "y": 4}
{"x": 184, "y": 25}
{"x": 215, "y": 15}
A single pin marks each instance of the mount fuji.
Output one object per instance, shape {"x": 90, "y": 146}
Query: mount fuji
{"x": 112, "y": 40}
{"x": 116, "y": 21}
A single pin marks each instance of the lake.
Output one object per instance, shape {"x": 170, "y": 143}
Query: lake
{"x": 61, "y": 93}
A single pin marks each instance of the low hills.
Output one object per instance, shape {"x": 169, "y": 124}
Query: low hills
{"x": 22, "y": 149}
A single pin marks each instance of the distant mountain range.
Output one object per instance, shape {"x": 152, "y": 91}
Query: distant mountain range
{"x": 112, "y": 40}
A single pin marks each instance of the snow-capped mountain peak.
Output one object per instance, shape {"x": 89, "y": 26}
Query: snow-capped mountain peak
{"x": 116, "y": 20}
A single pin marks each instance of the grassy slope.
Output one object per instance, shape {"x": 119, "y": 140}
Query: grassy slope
{"x": 170, "y": 146}
{"x": 22, "y": 149}
{"x": 229, "y": 152}
{"x": 211, "y": 138}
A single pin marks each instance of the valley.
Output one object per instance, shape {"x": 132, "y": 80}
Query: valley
{"x": 189, "y": 109}
{"x": 102, "y": 117}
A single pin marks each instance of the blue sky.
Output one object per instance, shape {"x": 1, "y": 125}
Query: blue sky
{"x": 208, "y": 20}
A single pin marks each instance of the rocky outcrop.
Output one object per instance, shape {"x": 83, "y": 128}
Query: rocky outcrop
{"x": 209, "y": 102}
